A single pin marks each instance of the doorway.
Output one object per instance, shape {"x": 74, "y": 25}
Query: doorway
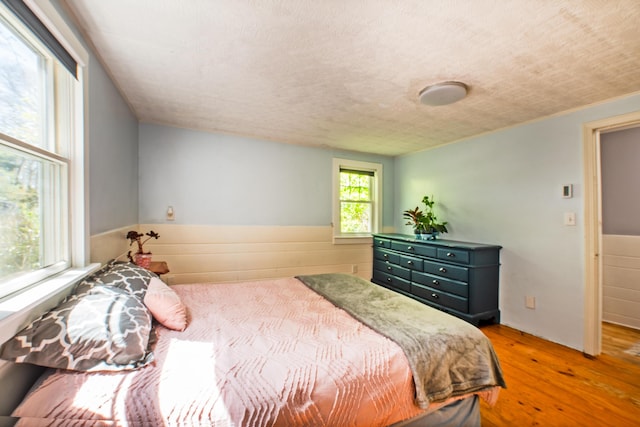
{"x": 593, "y": 225}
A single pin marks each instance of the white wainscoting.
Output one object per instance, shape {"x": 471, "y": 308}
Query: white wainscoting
{"x": 111, "y": 244}
{"x": 621, "y": 280}
{"x": 216, "y": 254}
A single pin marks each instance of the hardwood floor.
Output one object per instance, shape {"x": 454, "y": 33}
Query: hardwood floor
{"x": 552, "y": 385}
{"x": 616, "y": 340}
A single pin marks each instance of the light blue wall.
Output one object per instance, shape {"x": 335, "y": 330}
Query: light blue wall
{"x": 505, "y": 188}
{"x": 113, "y": 148}
{"x": 113, "y": 154}
{"x": 218, "y": 179}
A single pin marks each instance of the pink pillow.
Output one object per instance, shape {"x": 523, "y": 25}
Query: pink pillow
{"x": 165, "y": 305}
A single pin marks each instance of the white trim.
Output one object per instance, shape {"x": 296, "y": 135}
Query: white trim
{"x": 593, "y": 226}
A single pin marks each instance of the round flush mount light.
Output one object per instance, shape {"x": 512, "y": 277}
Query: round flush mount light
{"x": 443, "y": 93}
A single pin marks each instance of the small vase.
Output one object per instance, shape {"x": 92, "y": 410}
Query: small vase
{"x": 142, "y": 260}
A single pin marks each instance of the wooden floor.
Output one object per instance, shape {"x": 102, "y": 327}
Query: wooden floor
{"x": 616, "y": 340}
{"x": 552, "y": 385}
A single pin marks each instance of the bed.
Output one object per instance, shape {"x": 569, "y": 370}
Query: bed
{"x": 328, "y": 349}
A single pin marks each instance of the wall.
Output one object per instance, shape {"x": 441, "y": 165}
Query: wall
{"x": 505, "y": 188}
{"x": 269, "y": 201}
{"x": 620, "y": 156}
{"x": 113, "y": 155}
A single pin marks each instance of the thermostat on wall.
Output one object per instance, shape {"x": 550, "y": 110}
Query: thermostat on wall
{"x": 567, "y": 191}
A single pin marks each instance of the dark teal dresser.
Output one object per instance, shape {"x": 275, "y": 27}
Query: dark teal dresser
{"x": 460, "y": 278}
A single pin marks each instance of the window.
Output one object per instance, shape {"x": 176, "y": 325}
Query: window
{"x": 357, "y": 198}
{"x": 39, "y": 114}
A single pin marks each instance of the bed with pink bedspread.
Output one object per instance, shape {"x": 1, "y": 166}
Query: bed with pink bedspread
{"x": 264, "y": 353}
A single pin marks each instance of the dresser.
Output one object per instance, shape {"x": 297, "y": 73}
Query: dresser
{"x": 460, "y": 278}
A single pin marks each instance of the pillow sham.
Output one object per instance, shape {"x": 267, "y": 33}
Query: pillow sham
{"x": 124, "y": 275}
{"x": 105, "y": 329}
{"x": 165, "y": 305}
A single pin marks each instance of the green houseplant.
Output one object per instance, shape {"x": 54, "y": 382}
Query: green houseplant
{"x": 425, "y": 223}
{"x": 141, "y": 258}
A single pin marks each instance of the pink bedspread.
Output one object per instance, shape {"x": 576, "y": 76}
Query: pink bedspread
{"x": 261, "y": 353}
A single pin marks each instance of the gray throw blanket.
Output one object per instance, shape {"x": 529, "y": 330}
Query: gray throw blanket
{"x": 448, "y": 356}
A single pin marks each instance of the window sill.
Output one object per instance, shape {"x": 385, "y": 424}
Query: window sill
{"x": 18, "y": 310}
{"x": 356, "y": 239}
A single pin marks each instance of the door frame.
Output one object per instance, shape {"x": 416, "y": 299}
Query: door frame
{"x": 593, "y": 224}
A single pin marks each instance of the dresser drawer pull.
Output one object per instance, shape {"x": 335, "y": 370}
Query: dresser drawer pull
{"x": 442, "y": 270}
{"x": 410, "y": 262}
{"x": 389, "y": 279}
{"x": 409, "y": 248}
{"x": 451, "y": 255}
{"x": 389, "y": 268}
{"x": 434, "y": 296}
{"x": 385, "y": 256}
{"x": 380, "y": 243}
{"x": 436, "y": 282}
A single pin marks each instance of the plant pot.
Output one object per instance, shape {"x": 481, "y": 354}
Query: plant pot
{"x": 142, "y": 260}
{"x": 429, "y": 236}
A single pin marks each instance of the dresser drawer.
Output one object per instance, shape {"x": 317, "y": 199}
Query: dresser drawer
{"x": 383, "y": 255}
{"x": 447, "y": 270}
{"x": 454, "y": 255}
{"x": 411, "y": 262}
{"x": 412, "y": 248}
{"x": 438, "y": 283}
{"x": 391, "y": 281}
{"x": 393, "y": 269}
{"x": 381, "y": 243}
{"x": 441, "y": 298}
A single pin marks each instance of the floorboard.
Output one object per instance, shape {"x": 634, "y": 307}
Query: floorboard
{"x": 552, "y": 385}
{"x": 618, "y": 341}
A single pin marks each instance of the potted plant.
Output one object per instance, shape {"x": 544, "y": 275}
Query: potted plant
{"x": 141, "y": 258}
{"x": 425, "y": 223}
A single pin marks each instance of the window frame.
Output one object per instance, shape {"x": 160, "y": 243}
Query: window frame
{"x": 376, "y": 202}
{"x": 69, "y": 124}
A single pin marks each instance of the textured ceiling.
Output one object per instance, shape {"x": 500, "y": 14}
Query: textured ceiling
{"x": 346, "y": 73}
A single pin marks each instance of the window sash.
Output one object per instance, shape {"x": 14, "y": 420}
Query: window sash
{"x": 52, "y": 154}
{"x": 370, "y": 204}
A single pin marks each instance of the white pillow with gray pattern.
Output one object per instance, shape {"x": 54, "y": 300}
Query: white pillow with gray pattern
{"x": 105, "y": 327}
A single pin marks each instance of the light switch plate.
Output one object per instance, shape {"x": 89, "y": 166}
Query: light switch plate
{"x": 570, "y": 218}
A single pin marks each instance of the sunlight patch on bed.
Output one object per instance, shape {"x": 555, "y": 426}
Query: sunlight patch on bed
{"x": 194, "y": 360}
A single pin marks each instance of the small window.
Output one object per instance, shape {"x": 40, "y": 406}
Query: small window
{"x": 357, "y": 198}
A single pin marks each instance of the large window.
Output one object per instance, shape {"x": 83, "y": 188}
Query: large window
{"x": 38, "y": 96}
{"x": 357, "y": 198}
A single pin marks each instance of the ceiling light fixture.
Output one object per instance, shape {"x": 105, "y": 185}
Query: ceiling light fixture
{"x": 443, "y": 93}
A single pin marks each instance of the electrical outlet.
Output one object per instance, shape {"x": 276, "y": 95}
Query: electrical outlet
{"x": 354, "y": 268}
{"x": 530, "y": 302}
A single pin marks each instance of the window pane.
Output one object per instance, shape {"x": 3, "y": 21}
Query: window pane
{"x": 22, "y": 88}
{"x": 355, "y": 217}
{"x": 355, "y": 202}
{"x": 29, "y": 190}
{"x": 355, "y": 186}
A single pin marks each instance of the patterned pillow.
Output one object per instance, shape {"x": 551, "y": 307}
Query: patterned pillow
{"x": 105, "y": 329}
{"x": 123, "y": 275}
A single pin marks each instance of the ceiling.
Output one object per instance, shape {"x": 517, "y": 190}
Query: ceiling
{"x": 346, "y": 74}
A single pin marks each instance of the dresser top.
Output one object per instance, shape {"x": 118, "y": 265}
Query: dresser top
{"x": 444, "y": 243}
